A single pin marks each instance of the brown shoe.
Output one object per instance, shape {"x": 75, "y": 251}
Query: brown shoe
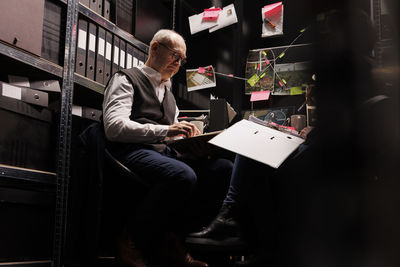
{"x": 174, "y": 252}
{"x": 128, "y": 254}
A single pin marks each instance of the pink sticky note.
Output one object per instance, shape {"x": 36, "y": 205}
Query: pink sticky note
{"x": 211, "y": 14}
{"x": 280, "y": 83}
{"x": 272, "y": 9}
{"x": 201, "y": 70}
{"x": 266, "y": 61}
{"x": 209, "y": 67}
{"x": 259, "y": 95}
{"x": 258, "y": 66}
{"x": 231, "y": 75}
{"x": 209, "y": 74}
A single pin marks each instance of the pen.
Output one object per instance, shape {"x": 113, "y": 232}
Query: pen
{"x": 269, "y": 23}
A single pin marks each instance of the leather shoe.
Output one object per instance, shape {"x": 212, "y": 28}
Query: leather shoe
{"x": 128, "y": 254}
{"x": 223, "y": 226}
{"x": 174, "y": 252}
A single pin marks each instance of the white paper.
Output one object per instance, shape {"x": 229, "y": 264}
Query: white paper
{"x": 122, "y": 59}
{"x": 277, "y": 19}
{"x": 197, "y": 24}
{"x": 226, "y": 17}
{"x": 18, "y": 80}
{"x": 82, "y": 39}
{"x": 258, "y": 142}
{"x": 108, "y": 51}
{"x": 77, "y": 110}
{"x": 135, "y": 62}
{"x": 129, "y": 61}
{"x": 12, "y": 91}
{"x": 101, "y": 46}
{"x": 92, "y": 42}
{"x": 140, "y": 63}
{"x": 116, "y": 55}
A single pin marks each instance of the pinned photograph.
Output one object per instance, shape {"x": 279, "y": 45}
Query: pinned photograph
{"x": 201, "y": 78}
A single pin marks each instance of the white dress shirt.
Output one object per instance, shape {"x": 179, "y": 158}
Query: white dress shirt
{"x": 117, "y": 107}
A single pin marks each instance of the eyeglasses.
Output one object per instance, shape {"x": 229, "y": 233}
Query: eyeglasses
{"x": 177, "y": 57}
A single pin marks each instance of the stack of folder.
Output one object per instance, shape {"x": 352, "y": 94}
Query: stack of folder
{"x": 100, "y": 53}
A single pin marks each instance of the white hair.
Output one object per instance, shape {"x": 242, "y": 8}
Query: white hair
{"x": 164, "y": 36}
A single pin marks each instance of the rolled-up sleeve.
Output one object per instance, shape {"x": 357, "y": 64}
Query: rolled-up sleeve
{"x": 117, "y": 107}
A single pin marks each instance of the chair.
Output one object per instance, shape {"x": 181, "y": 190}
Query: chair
{"x": 109, "y": 184}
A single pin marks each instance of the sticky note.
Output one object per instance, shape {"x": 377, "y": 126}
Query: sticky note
{"x": 230, "y": 75}
{"x": 281, "y": 55}
{"x": 255, "y": 66}
{"x": 272, "y": 9}
{"x": 211, "y": 14}
{"x": 209, "y": 74}
{"x": 297, "y": 90}
{"x": 262, "y": 75}
{"x": 266, "y": 61}
{"x": 280, "y": 83}
{"x": 253, "y": 80}
{"x": 258, "y": 66}
{"x": 201, "y": 70}
{"x": 259, "y": 95}
{"x": 303, "y": 30}
{"x": 265, "y": 54}
{"x": 284, "y": 81}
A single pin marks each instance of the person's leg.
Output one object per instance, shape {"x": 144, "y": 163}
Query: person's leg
{"x": 171, "y": 182}
{"x": 246, "y": 172}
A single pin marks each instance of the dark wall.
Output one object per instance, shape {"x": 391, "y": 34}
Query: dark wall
{"x": 227, "y": 49}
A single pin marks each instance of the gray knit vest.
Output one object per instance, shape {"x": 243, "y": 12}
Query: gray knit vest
{"x": 146, "y": 108}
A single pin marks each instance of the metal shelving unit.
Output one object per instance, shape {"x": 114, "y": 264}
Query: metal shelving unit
{"x": 31, "y": 60}
{"x": 58, "y": 182}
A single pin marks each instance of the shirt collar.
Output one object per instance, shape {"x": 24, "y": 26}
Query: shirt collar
{"x": 155, "y": 76}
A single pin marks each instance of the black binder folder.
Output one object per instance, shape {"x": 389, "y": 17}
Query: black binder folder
{"x": 84, "y": 2}
{"x": 99, "y": 7}
{"x": 101, "y": 37}
{"x": 94, "y": 5}
{"x": 53, "y": 32}
{"x": 80, "y": 64}
{"x": 108, "y": 57}
{"x": 91, "y": 51}
{"x": 124, "y": 14}
{"x": 136, "y": 55}
{"x": 129, "y": 56}
{"x": 115, "y": 64}
{"x": 106, "y": 9}
{"x": 142, "y": 58}
{"x": 122, "y": 54}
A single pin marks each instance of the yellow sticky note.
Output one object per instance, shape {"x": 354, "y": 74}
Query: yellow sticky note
{"x": 262, "y": 75}
{"x": 281, "y": 55}
{"x": 284, "y": 81}
{"x": 303, "y": 30}
{"x": 253, "y": 80}
{"x": 265, "y": 54}
{"x": 297, "y": 90}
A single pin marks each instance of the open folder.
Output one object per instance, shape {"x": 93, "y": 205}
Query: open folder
{"x": 258, "y": 142}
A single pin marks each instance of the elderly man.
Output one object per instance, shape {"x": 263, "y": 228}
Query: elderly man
{"x": 139, "y": 114}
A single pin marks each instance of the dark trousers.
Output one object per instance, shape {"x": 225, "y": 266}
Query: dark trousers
{"x": 172, "y": 183}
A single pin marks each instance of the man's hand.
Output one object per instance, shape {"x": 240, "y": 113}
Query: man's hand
{"x": 303, "y": 133}
{"x": 182, "y": 128}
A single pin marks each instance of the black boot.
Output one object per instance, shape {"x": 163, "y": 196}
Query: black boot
{"x": 224, "y": 225}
